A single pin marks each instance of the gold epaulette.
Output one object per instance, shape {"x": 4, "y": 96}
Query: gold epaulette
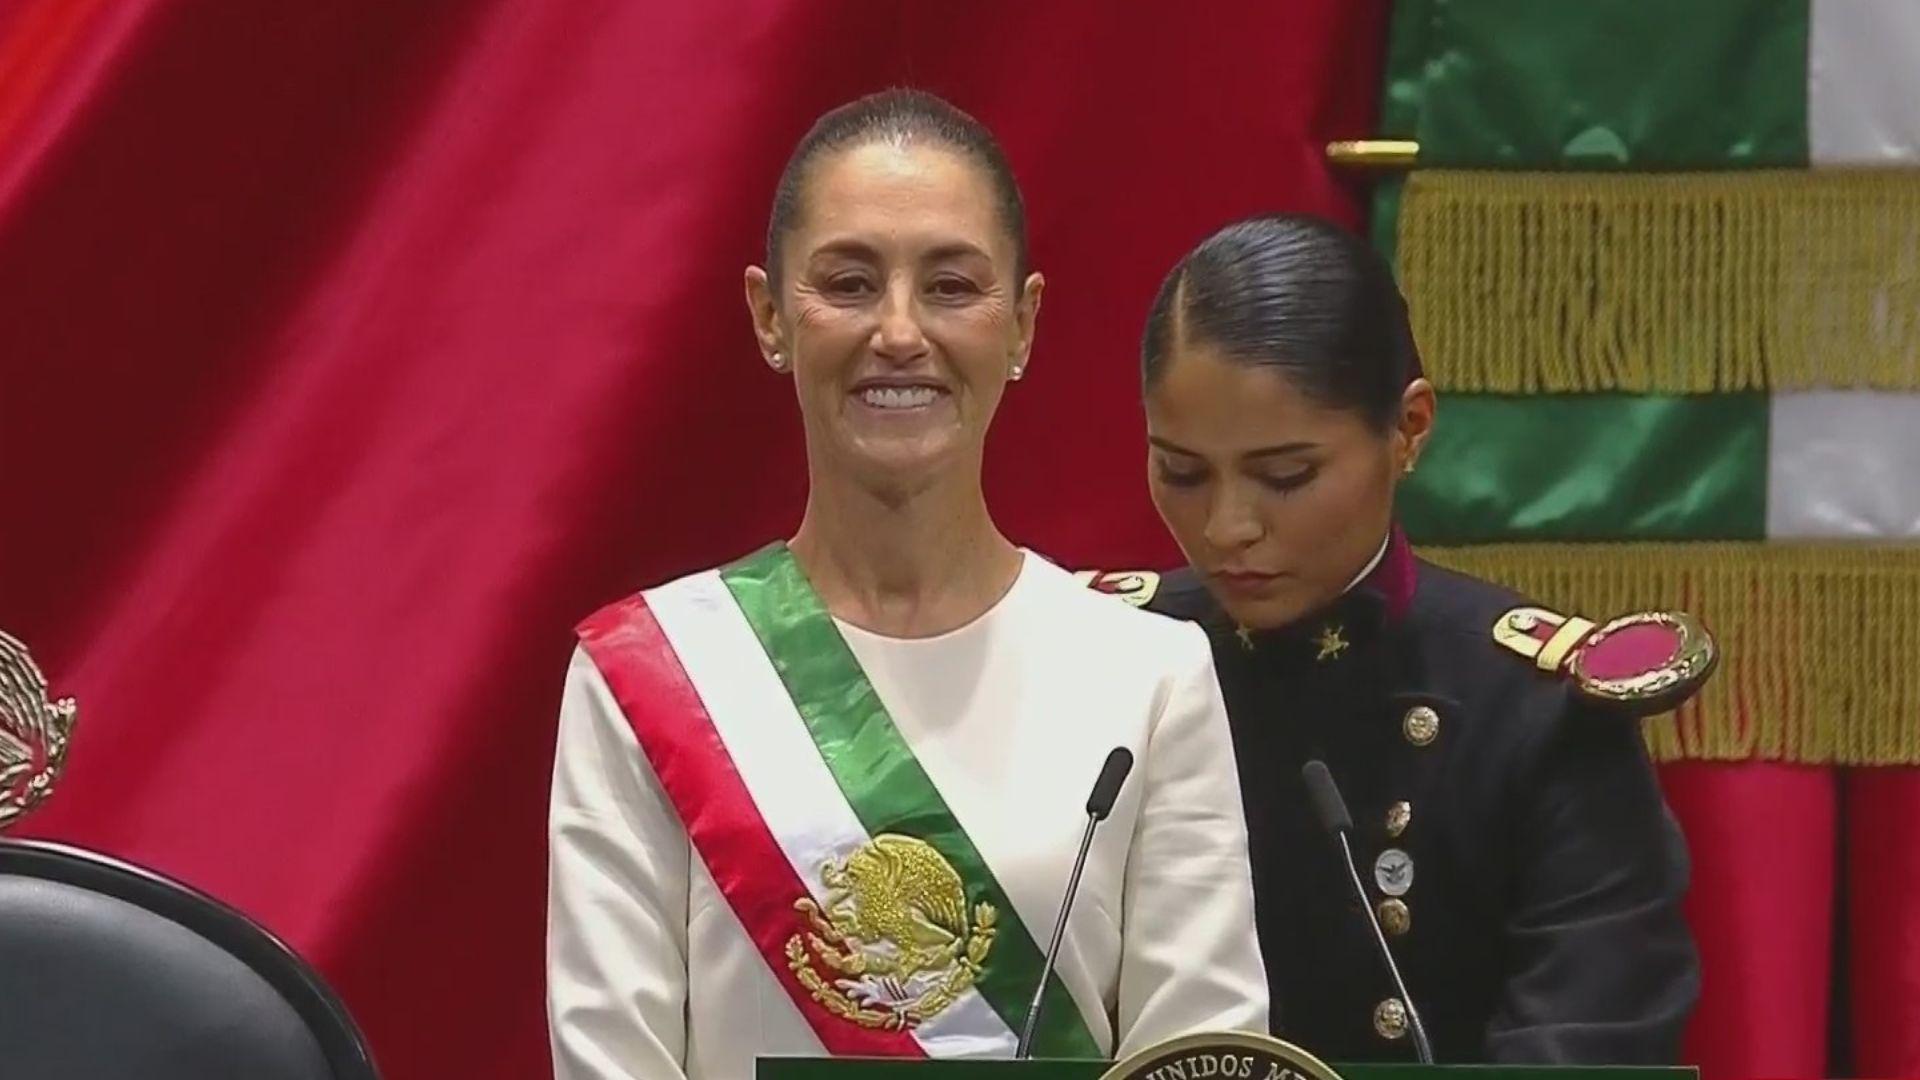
{"x": 1136, "y": 587}
{"x": 1644, "y": 663}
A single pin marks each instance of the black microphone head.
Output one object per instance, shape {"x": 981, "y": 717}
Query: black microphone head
{"x": 1328, "y": 806}
{"x": 1107, "y": 788}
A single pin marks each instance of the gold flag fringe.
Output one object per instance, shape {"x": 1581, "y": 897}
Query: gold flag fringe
{"x": 1664, "y": 283}
{"x": 1819, "y": 643}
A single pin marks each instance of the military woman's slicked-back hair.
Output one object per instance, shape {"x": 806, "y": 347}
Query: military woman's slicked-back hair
{"x": 1297, "y": 294}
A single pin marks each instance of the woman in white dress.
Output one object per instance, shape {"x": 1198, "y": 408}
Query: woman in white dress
{"x": 824, "y": 800}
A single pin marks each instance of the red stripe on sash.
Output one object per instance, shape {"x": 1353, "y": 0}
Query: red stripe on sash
{"x": 720, "y": 816}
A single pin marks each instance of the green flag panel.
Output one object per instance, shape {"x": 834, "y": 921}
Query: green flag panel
{"x": 1591, "y": 467}
{"x": 1602, "y": 84}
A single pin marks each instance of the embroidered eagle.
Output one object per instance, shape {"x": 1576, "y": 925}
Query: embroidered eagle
{"x": 902, "y": 893}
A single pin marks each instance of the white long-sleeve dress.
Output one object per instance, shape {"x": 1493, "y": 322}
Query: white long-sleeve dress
{"x": 653, "y": 972}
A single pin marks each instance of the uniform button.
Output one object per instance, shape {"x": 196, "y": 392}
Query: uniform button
{"x": 1393, "y": 872}
{"x": 1422, "y": 725}
{"x": 1395, "y": 917}
{"x": 1390, "y": 1019}
{"x": 1399, "y": 816}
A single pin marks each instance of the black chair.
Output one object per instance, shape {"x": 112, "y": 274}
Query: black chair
{"x": 112, "y": 972}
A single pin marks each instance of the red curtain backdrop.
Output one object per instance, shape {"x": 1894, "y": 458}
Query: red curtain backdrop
{"x": 1882, "y": 917}
{"x": 1761, "y": 908}
{"x": 350, "y": 351}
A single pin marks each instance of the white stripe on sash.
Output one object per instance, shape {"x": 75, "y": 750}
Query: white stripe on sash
{"x": 795, "y": 793}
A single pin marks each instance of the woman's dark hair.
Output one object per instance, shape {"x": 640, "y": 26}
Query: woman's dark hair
{"x": 896, "y": 116}
{"x": 1297, "y": 294}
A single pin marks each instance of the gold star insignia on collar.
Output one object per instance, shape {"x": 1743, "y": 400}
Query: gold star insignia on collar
{"x": 1331, "y": 641}
{"x": 1246, "y": 637}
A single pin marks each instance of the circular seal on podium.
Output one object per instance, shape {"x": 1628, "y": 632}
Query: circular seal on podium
{"x": 1232, "y": 1055}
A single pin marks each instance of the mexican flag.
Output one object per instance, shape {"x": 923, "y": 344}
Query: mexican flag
{"x": 1664, "y": 265}
{"x": 1663, "y": 261}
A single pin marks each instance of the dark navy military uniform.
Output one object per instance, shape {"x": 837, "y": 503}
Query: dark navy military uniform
{"x": 1508, "y": 831}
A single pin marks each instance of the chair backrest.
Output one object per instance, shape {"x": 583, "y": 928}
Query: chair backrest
{"x": 109, "y": 970}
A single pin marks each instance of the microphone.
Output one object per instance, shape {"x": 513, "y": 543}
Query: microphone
{"x": 1331, "y": 809}
{"x": 1328, "y": 806}
{"x": 1106, "y": 788}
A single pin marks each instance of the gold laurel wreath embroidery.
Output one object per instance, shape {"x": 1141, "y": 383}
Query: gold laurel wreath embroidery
{"x": 34, "y": 731}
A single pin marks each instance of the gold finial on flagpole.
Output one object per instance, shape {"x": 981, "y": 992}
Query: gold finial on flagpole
{"x": 1374, "y": 153}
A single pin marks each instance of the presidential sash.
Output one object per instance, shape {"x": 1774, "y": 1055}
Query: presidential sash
{"x": 853, "y": 878}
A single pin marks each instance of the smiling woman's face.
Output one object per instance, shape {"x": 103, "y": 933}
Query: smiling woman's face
{"x": 901, "y": 313}
{"x": 1277, "y": 500}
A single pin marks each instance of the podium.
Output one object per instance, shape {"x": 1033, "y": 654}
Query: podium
{"x": 1228, "y": 1055}
{"x": 894, "y": 1069}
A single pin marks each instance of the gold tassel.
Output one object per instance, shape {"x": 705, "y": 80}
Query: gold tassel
{"x": 1819, "y": 643}
{"x": 1681, "y": 283}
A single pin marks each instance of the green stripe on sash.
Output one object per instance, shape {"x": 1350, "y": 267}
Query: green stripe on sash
{"x": 884, "y": 784}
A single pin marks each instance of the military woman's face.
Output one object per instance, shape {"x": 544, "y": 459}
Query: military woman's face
{"x": 1277, "y": 500}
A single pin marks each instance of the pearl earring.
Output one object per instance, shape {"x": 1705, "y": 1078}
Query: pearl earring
{"x": 1019, "y": 372}
{"x": 777, "y": 362}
